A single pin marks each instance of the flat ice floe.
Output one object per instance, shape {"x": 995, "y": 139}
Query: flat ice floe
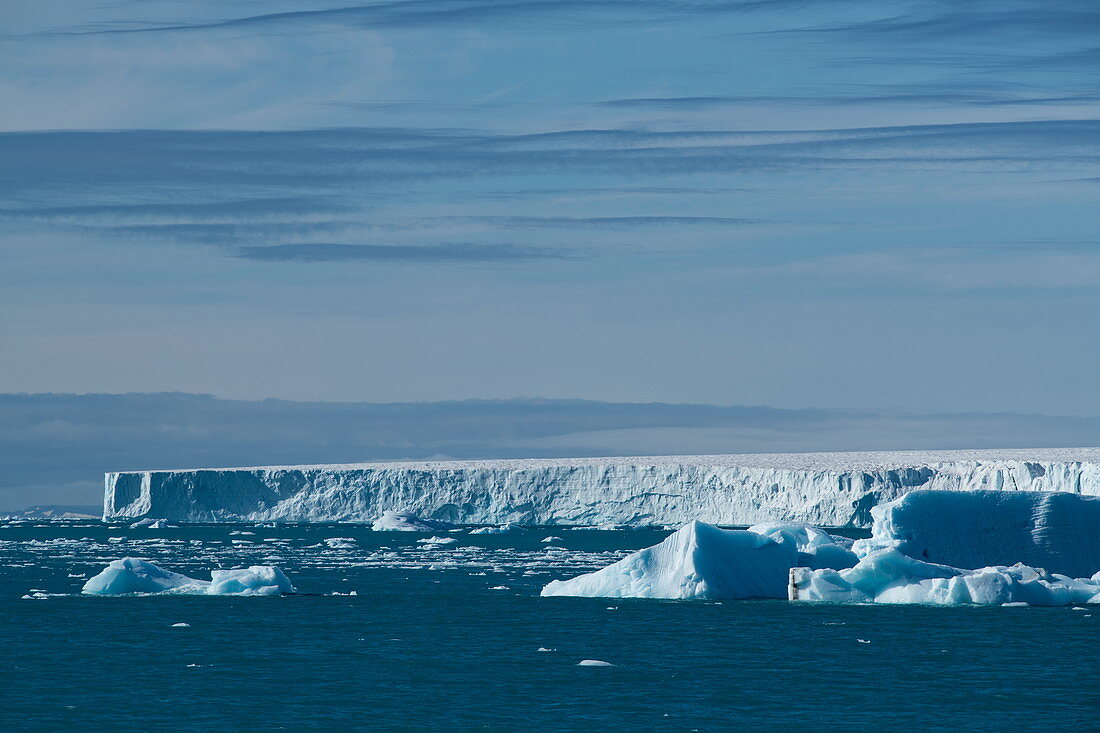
{"x": 131, "y": 575}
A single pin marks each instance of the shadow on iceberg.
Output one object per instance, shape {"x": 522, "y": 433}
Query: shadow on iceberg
{"x": 131, "y": 575}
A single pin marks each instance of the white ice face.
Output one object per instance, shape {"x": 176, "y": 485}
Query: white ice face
{"x": 822, "y": 489}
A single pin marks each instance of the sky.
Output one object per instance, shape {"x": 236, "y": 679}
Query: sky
{"x": 836, "y": 204}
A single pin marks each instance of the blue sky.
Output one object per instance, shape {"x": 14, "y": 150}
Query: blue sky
{"x": 836, "y": 204}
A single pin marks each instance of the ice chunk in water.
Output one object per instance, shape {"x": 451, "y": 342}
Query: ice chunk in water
{"x": 257, "y": 580}
{"x": 131, "y": 575}
{"x": 407, "y": 522}
{"x": 502, "y": 529}
{"x": 888, "y": 576}
{"x": 697, "y": 561}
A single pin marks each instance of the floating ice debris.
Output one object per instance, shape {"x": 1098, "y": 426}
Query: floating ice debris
{"x": 551, "y": 539}
{"x": 976, "y": 529}
{"x": 544, "y": 649}
{"x": 341, "y": 543}
{"x": 502, "y": 529}
{"x": 438, "y": 541}
{"x": 697, "y": 561}
{"x": 407, "y": 522}
{"x": 150, "y": 523}
{"x": 864, "y": 641}
{"x": 1016, "y": 604}
{"x": 888, "y": 576}
{"x": 181, "y": 625}
{"x": 594, "y": 663}
{"x": 131, "y": 575}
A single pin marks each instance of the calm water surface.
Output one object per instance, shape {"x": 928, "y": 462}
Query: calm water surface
{"x": 448, "y": 638}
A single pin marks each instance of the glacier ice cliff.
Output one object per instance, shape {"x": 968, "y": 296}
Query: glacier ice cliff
{"x": 824, "y": 489}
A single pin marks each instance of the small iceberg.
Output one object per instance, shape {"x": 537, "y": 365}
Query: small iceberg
{"x": 131, "y": 575}
{"x": 698, "y": 561}
{"x": 889, "y": 576}
{"x": 150, "y": 523}
{"x": 502, "y": 529}
{"x": 392, "y": 521}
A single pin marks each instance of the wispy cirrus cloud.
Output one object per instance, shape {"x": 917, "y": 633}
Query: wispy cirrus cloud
{"x": 434, "y": 253}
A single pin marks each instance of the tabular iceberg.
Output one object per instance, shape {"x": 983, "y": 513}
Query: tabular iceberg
{"x": 824, "y": 489}
{"x": 131, "y": 575}
{"x": 976, "y": 529}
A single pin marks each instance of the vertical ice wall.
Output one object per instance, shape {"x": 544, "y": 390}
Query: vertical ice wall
{"x": 830, "y": 489}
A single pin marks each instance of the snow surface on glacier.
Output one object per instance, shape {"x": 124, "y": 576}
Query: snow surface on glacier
{"x": 824, "y": 489}
{"x": 132, "y": 575}
{"x": 976, "y": 529}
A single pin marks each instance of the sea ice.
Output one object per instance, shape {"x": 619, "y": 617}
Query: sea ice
{"x": 407, "y": 522}
{"x": 697, "y": 561}
{"x": 889, "y": 576}
{"x": 1057, "y": 531}
{"x": 131, "y": 575}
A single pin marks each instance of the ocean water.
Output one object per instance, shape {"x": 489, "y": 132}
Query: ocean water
{"x": 449, "y": 638}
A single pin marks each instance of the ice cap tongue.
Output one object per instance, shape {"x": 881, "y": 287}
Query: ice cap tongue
{"x": 697, "y": 561}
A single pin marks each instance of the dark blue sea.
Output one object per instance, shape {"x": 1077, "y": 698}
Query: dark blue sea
{"x": 455, "y": 637}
